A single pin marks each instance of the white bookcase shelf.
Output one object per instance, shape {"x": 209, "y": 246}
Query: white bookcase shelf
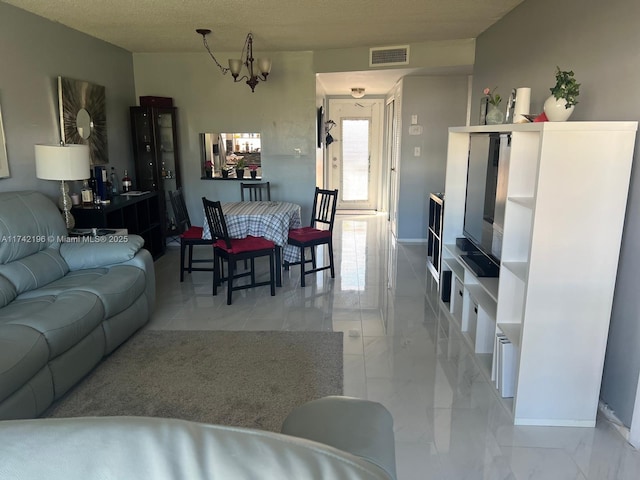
{"x": 512, "y": 331}
{"x": 519, "y": 269}
{"x": 551, "y": 304}
{"x": 526, "y": 202}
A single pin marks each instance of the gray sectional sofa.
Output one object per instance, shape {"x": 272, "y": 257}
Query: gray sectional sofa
{"x": 328, "y": 438}
{"x": 64, "y": 305}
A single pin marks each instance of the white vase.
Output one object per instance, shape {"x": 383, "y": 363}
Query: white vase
{"x": 555, "y": 109}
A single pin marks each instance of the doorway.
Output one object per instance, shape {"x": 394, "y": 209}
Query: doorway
{"x": 392, "y": 144}
{"x": 354, "y": 155}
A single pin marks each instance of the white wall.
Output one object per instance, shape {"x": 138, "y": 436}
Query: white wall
{"x": 599, "y": 42}
{"x": 283, "y": 110}
{"x": 33, "y": 53}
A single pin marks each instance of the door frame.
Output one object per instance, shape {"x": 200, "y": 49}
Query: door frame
{"x": 377, "y": 142}
{"x": 392, "y": 157}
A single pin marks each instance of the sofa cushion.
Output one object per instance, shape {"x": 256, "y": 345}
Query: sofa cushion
{"x": 7, "y": 291}
{"x": 31, "y": 399}
{"x": 83, "y": 254}
{"x": 23, "y": 352}
{"x": 30, "y": 222}
{"x": 117, "y": 287}
{"x": 63, "y": 320}
{"x": 36, "y": 270}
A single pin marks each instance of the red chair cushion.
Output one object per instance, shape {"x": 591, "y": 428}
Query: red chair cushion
{"x": 308, "y": 234}
{"x": 244, "y": 245}
{"x": 194, "y": 233}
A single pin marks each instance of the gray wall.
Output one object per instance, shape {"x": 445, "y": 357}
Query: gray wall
{"x": 439, "y": 102}
{"x": 33, "y": 53}
{"x": 283, "y": 110}
{"x": 599, "y": 42}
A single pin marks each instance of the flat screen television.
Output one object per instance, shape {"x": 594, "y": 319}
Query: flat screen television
{"x": 486, "y": 188}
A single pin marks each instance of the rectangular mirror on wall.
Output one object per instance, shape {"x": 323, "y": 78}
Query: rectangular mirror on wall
{"x": 231, "y": 155}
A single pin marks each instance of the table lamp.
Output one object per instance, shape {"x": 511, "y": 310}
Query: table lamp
{"x": 63, "y": 162}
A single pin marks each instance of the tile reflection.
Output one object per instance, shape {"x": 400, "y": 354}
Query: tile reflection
{"x": 353, "y": 253}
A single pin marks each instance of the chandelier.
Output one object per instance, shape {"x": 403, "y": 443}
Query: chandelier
{"x": 246, "y": 59}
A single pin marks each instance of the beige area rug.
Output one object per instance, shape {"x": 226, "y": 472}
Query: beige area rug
{"x": 246, "y": 379}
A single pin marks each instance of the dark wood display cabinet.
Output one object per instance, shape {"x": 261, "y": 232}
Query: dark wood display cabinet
{"x": 140, "y": 215}
{"x": 156, "y": 155}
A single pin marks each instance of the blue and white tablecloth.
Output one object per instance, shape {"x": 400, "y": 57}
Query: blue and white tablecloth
{"x": 271, "y": 220}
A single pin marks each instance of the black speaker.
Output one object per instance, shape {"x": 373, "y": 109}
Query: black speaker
{"x": 445, "y": 286}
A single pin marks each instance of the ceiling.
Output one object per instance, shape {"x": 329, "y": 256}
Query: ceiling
{"x": 277, "y": 25}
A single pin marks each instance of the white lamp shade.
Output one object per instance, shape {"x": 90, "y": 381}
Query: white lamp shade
{"x": 264, "y": 64}
{"x": 62, "y": 162}
{"x": 235, "y": 65}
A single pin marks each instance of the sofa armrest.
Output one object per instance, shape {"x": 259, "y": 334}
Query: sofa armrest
{"x": 90, "y": 252}
{"x": 360, "y": 427}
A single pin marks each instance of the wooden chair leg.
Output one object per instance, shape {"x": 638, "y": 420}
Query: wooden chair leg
{"x": 302, "y": 262}
{"x": 190, "y": 257}
{"x": 278, "y": 265}
{"x": 272, "y": 268}
{"x": 232, "y": 268}
{"x": 333, "y": 273}
{"x": 182, "y": 248}
{"x": 314, "y": 265}
{"x": 216, "y": 273}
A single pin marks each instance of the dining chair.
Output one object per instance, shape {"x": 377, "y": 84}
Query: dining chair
{"x": 190, "y": 235}
{"x": 323, "y": 214}
{"x": 257, "y": 191}
{"x": 234, "y": 249}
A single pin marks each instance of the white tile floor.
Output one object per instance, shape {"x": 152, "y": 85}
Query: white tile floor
{"x": 400, "y": 350}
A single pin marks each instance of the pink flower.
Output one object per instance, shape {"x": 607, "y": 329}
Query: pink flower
{"x": 253, "y": 167}
{"x": 208, "y": 165}
{"x": 494, "y": 98}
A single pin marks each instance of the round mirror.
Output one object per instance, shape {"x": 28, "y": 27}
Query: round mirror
{"x": 83, "y": 123}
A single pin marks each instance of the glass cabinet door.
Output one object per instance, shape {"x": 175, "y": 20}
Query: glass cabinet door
{"x": 167, "y": 158}
{"x": 144, "y": 150}
{"x": 155, "y": 143}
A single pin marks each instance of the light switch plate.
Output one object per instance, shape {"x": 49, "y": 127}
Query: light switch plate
{"x": 415, "y": 130}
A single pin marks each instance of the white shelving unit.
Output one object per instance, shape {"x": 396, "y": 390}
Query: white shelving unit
{"x": 564, "y": 215}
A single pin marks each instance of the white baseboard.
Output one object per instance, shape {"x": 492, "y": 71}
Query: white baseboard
{"x": 412, "y": 240}
{"x": 615, "y": 422}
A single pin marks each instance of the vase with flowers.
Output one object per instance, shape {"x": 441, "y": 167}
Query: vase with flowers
{"x": 253, "y": 170}
{"x": 560, "y": 104}
{"x": 494, "y": 116}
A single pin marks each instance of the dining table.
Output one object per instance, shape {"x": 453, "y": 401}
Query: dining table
{"x": 271, "y": 220}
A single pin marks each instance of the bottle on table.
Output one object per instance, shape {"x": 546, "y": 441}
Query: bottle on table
{"x": 115, "y": 189}
{"x": 87, "y": 193}
{"x": 93, "y": 184}
{"x": 126, "y": 182}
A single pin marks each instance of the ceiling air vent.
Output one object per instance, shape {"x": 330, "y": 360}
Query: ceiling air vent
{"x": 388, "y": 56}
